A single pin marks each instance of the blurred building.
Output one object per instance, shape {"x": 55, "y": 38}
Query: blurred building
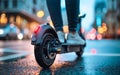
{"x": 100, "y": 10}
{"x": 107, "y": 13}
{"x": 23, "y": 13}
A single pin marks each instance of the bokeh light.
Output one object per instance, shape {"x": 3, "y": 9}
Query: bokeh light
{"x": 40, "y": 13}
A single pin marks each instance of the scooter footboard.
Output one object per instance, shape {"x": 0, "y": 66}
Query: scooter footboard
{"x": 71, "y": 48}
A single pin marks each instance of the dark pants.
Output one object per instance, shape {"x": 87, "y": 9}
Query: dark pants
{"x": 72, "y": 8}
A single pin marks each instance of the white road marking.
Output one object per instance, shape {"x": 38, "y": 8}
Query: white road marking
{"x": 18, "y": 53}
{"x": 22, "y": 53}
{"x": 101, "y": 54}
{"x": 12, "y": 51}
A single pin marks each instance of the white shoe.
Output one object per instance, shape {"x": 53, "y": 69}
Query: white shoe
{"x": 61, "y": 36}
{"x": 75, "y": 39}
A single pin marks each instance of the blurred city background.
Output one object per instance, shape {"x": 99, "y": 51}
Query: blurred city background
{"x": 101, "y": 28}
{"x": 18, "y": 18}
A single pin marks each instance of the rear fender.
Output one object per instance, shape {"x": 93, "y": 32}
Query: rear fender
{"x": 37, "y": 37}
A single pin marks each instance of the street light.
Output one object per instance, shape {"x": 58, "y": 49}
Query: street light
{"x": 40, "y": 13}
{"x": 3, "y": 18}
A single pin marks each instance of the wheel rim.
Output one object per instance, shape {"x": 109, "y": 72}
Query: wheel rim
{"x": 48, "y": 56}
{"x": 50, "y": 53}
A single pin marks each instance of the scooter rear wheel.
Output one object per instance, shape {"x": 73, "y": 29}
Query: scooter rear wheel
{"x": 43, "y": 54}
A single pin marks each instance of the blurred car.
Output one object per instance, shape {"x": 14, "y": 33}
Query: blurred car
{"x": 9, "y": 32}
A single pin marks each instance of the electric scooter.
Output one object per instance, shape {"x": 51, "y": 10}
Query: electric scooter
{"x": 47, "y": 45}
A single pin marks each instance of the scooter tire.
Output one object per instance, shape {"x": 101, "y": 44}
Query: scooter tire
{"x": 41, "y": 53}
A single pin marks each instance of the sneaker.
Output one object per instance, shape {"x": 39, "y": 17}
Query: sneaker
{"x": 75, "y": 39}
{"x": 61, "y": 36}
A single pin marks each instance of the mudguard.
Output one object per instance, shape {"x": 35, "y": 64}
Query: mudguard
{"x": 38, "y": 37}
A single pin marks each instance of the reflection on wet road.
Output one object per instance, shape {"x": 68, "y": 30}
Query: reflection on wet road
{"x": 99, "y": 58}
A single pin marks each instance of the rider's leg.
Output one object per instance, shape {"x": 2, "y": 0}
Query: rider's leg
{"x": 56, "y": 16}
{"x": 72, "y": 7}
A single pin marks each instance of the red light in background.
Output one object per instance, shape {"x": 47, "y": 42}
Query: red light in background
{"x": 92, "y": 36}
{"x": 93, "y": 30}
{"x": 87, "y": 36}
{"x": 99, "y": 36}
{"x": 93, "y": 51}
{"x": 37, "y": 28}
{"x": 118, "y": 31}
{"x": 82, "y": 30}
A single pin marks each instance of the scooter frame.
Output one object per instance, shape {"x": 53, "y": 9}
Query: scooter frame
{"x": 47, "y": 45}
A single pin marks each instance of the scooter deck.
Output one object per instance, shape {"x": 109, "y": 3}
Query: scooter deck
{"x": 70, "y": 47}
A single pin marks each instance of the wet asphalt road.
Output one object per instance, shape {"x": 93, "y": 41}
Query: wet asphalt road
{"x": 100, "y": 58}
